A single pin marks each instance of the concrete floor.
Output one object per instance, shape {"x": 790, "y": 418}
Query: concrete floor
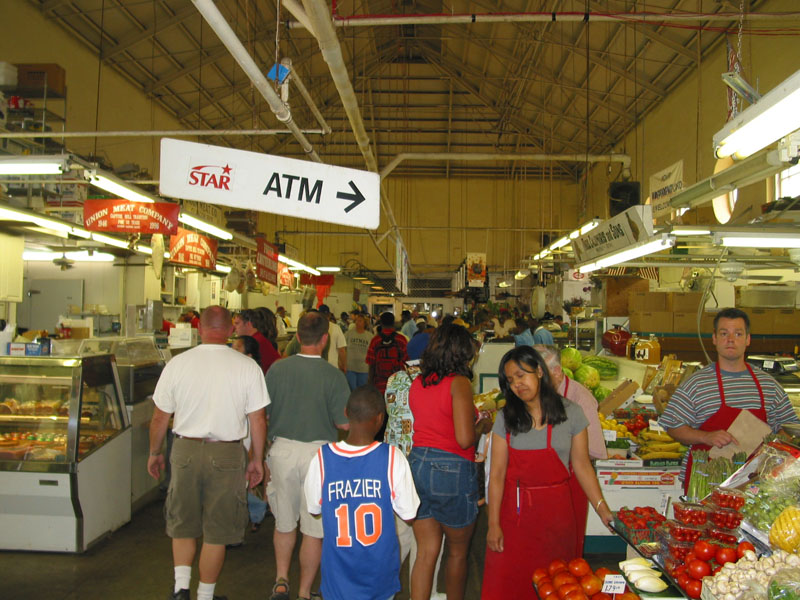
{"x": 136, "y": 562}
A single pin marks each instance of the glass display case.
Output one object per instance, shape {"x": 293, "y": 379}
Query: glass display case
{"x": 64, "y": 452}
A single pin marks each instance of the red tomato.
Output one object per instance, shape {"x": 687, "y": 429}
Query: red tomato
{"x": 601, "y": 573}
{"x": 576, "y": 595}
{"x": 744, "y": 547}
{"x": 591, "y": 584}
{"x": 704, "y": 551}
{"x": 556, "y": 566}
{"x": 538, "y": 575}
{"x": 567, "y": 589}
{"x": 694, "y": 588}
{"x": 716, "y": 569}
{"x": 579, "y": 567}
{"x": 698, "y": 569}
{"x": 564, "y": 578}
{"x": 726, "y": 555}
{"x": 545, "y": 590}
{"x": 601, "y": 596}
{"x": 689, "y": 558}
{"x": 639, "y": 524}
{"x": 683, "y": 580}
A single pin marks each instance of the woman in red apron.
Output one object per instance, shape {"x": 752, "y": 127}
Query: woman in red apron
{"x": 723, "y": 418}
{"x": 531, "y": 514}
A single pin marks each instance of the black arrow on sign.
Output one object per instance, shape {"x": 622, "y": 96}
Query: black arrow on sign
{"x": 357, "y": 197}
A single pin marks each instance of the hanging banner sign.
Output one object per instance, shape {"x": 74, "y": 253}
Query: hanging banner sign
{"x": 193, "y": 249}
{"x": 273, "y": 184}
{"x": 401, "y": 268}
{"x": 476, "y": 269}
{"x": 663, "y": 186}
{"x": 125, "y": 216}
{"x": 627, "y": 228}
{"x": 267, "y": 262}
{"x": 285, "y": 276}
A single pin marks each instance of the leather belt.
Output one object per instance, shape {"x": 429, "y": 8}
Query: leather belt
{"x": 206, "y": 440}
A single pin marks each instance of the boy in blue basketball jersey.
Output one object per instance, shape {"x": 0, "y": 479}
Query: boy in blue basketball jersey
{"x": 356, "y": 486}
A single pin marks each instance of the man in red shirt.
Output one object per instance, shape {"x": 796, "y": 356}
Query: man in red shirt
{"x": 386, "y": 353}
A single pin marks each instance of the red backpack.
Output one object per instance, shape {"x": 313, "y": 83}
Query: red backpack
{"x": 388, "y": 357}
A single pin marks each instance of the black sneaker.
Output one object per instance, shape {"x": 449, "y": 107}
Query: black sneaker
{"x": 181, "y": 595}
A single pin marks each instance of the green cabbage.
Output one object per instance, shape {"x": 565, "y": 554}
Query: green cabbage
{"x": 571, "y": 358}
{"x": 588, "y": 376}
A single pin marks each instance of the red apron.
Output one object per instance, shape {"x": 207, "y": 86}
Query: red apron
{"x": 580, "y": 504}
{"x": 722, "y": 419}
{"x": 537, "y": 519}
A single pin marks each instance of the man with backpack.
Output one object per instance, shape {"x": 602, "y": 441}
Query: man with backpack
{"x": 386, "y": 353}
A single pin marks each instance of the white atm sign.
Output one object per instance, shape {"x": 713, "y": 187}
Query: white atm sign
{"x": 273, "y": 184}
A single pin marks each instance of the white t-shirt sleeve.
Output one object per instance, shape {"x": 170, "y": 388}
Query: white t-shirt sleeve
{"x": 340, "y": 341}
{"x": 162, "y": 396}
{"x": 313, "y": 486}
{"x": 257, "y": 395}
{"x": 405, "y": 500}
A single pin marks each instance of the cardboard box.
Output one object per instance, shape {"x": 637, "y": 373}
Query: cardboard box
{"x": 647, "y": 301}
{"x": 22, "y": 349}
{"x": 683, "y": 301}
{"x": 34, "y": 76}
{"x": 623, "y": 395}
{"x": 787, "y": 321}
{"x": 686, "y": 322}
{"x": 659, "y": 321}
{"x": 762, "y": 321}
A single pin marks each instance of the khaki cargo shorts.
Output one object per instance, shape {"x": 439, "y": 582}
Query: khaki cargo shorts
{"x": 207, "y": 492}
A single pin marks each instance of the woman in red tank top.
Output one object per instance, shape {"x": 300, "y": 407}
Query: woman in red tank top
{"x": 442, "y": 459}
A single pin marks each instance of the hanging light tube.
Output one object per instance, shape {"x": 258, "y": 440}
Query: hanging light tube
{"x": 110, "y": 241}
{"x": 34, "y": 165}
{"x": 294, "y": 263}
{"x": 636, "y": 251}
{"x": 114, "y": 185}
{"x": 559, "y": 243}
{"x": 222, "y": 268}
{"x": 193, "y": 221}
{"x": 755, "y": 240}
{"x": 329, "y": 269}
{"x": 8, "y": 213}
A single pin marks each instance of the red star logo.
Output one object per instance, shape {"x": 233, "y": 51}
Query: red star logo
{"x": 226, "y": 169}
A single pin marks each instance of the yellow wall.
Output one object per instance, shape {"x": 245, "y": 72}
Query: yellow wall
{"x": 28, "y": 37}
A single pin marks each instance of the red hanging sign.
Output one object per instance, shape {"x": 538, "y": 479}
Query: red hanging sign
{"x": 126, "y": 216}
{"x": 267, "y": 262}
{"x": 193, "y": 249}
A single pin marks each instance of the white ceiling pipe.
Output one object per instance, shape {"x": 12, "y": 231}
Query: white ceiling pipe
{"x": 229, "y": 38}
{"x": 295, "y": 79}
{"x": 624, "y": 159}
{"x": 319, "y": 14}
{"x": 296, "y": 8}
{"x": 153, "y": 133}
{"x": 547, "y": 17}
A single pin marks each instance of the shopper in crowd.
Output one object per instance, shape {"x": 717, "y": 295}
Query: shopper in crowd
{"x": 407, "y": 325}
{"x": 386, "y": 354}
{"x": 420, "y": 340}
{"x": 703, "y": 407}
{"x": 203, "y": 501}
{"x": 192, "y": 317}
{"x": 369, "y": 566}
{"x": 256, "y": 506}
{"x": 580, "y": 395}
{"x": 442, "y": 460}
{"x": 521, "y": 334}
{"x": 280, "y": 313}
{"x": 249, "y": 322}
{"x": 344, "y": 322}
{"x": 337, "y": 351}
{"x": 358, "y": 341}
{"x": 308, "y": 400}
{"x": 536, "y": 438}
{"x": 541, "y": 335}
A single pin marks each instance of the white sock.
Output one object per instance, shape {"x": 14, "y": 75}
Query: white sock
{"x": 183, "y": 575}
{"x": 205, "y": 591}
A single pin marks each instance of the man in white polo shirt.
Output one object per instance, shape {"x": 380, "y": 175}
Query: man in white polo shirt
{"x": 214, "y": 394}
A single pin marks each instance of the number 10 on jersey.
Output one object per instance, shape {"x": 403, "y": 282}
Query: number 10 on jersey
{"x": 360, "y": 515}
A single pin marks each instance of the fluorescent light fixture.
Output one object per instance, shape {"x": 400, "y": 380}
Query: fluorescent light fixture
{"x": 82, "y": 256}
{"x": 294, "y": 263}
{"x": 504, "y": 284}
{"x": 690, "y": 231}
{"x": 368, "y": 282}
{"x": 544, "y": 253}
{"x": 188, "y": 219}
{"x": 329, "y": 269}
{"x": 34, "y": 165}
{"x": 377, "y": 288}
{"x": 537, "y": 256}
{"x": 114, "y": 185}
{"x": 111, "y": 241}
{"x": 760, "y": 240}
{"x": 13, "y": 214}
{"x": 762, "y": 123}
{"x": 143, "y": 249}
{"x": 359, "y": 277}
{"x": 635, "y": 251}
{"x": 559, "y": 243}
{"x": 587, "y": 227}
{"x": 521, "y": 274}
{"x": 81, "y": 233}
{"x": 222, "y": 268}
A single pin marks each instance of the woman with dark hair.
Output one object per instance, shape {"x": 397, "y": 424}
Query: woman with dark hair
{"x": 536, "y": 440}
{"x": 267, "y": 325}
{"x": 247, "y": 345}
{"x": 443, "y": 459}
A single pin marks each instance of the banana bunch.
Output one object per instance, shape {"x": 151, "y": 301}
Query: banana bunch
{"x": 657, "y": 444}
{"x": 614, "y": 425}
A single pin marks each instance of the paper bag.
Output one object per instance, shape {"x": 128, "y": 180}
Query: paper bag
{"x": 749, "y": 430}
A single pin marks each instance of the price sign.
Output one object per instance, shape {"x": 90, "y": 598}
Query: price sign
{"x": 654, "y": 426}
{"x": 613, "y": 584}
{"x": 609, "y": 435}
{"x": 664, "y": 505}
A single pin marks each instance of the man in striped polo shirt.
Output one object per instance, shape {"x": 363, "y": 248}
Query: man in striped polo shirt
{"x": 703, "y": 407}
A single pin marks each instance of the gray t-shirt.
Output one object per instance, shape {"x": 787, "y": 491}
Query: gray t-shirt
{"x": 357, "y": 346}
{"x": 308, "y": 398}
{"x": 537, "y": 439}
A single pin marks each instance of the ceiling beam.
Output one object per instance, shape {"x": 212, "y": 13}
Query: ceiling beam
{"x": 129, "y": 41}
{"x": 205, "y": 58}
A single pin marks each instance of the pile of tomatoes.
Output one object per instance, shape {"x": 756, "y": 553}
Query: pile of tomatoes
{"x": 640, "y": 522}
{"x": 573, "y": 580}
{"x": 636, "y": 424}
{"x": 705, "y": 559}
